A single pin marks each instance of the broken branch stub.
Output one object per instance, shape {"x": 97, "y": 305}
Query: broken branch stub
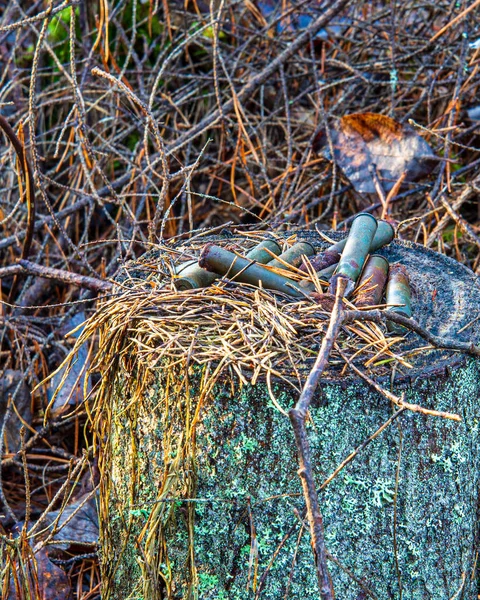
{"x": 365, "y": 144}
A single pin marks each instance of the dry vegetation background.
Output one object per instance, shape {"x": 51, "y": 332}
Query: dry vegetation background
{"x": 145, "y": 121}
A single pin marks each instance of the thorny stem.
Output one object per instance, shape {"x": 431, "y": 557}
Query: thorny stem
{"x": 297, "y": 417}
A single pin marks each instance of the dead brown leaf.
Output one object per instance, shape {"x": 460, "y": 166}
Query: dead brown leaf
{"x": 367, "y": 146}
{"x": 41, "y": 579}
{"x": 53, "y": 582}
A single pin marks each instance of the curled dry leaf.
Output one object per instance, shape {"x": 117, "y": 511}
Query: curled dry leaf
{"x": 369, "y": 145}
{"x": 41, "y": 580}
{"x": 81, "y": 527}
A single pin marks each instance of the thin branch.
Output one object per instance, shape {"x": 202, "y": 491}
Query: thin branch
{"x": 336, "y": 321}
{"x": 90, "y": 283}
{"x": 297, "y": 417}
{"x": 462, "y": 224}
{"x": 362, "y": 447}
{"x": 29, "y": 193}
{"x": 400, "y": 402}
{"x": 382, "y": 316}
{"x": 29, "y": 183}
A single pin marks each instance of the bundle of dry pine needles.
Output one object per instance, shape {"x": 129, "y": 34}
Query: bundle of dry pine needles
{"x": 252, "y": 331}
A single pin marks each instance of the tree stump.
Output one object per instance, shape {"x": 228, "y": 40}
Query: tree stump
{"x": 201, "y": 497}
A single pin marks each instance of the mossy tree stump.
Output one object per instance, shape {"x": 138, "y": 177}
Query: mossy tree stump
{"x": 201, "y": 497}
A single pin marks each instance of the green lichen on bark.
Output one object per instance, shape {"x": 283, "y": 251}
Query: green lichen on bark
{"x": 237, "y": 466}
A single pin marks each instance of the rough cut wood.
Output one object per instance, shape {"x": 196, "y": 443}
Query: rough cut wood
{"x": 202, "y": 498}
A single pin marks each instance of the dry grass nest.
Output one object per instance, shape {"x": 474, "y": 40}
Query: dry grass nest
{"x": 232, "y": 327}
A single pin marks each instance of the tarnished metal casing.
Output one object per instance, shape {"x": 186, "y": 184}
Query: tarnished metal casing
{"x": 241, "y": 269}
{"x": 384, "y": 235}
{"x": 399, "y": 292}
{"x": 192, "y": 276}
{"x": 356, "y": 250}
{"x": 326, "y": 274}
{"x": 260, "y": 253}
{"x": 293, "y": 256}
{"x": 372, "y": 282}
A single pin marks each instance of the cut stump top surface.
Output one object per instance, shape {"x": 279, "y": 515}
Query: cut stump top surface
{"x": 445, "y": 293}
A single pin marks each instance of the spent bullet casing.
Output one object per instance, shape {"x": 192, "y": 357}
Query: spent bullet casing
{"x": 383, "y": 236}
{"x": 372, "y": 282}
{"x": 192, "y": 276}
{"x": 326, "y": 274}
{"x": 260, "y": 253}
{"x": 293, "y": 256}
{"x": 399, "y": 292}
{"x": 357, "y": 248}
{"x": 221, "y": 261}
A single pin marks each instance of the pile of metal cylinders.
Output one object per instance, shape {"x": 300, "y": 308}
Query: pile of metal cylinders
{"x": 369, "y": 276}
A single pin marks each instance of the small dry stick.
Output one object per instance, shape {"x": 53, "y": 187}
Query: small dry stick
{"x": 382, "y": 316}
{"x": 297, "y": 417}
{"x": 398, "y": 401}
{"x": 462, "y": 224}
{"x": 466, "y": 194}
{"x": 392, "y": 193}
{"x": 90, "y": 283}
{"x": 378, "y": 187}
{"x": 362, "y": 446}
{"x": 454, "y": 21}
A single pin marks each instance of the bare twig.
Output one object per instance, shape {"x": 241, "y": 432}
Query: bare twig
{"x": 400, "y": 402}
{"x": 462, "y": 224}
{"x": 379, "y": 316}
{"x": 297, "y": 417}
{"x": 89, "y": 283}
{"x": 29, "y": 193}
{"x": 362, "y": 447}
{"x": 29, "y": 183}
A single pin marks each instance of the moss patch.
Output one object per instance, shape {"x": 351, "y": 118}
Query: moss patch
{"x": 240, "y": 535}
